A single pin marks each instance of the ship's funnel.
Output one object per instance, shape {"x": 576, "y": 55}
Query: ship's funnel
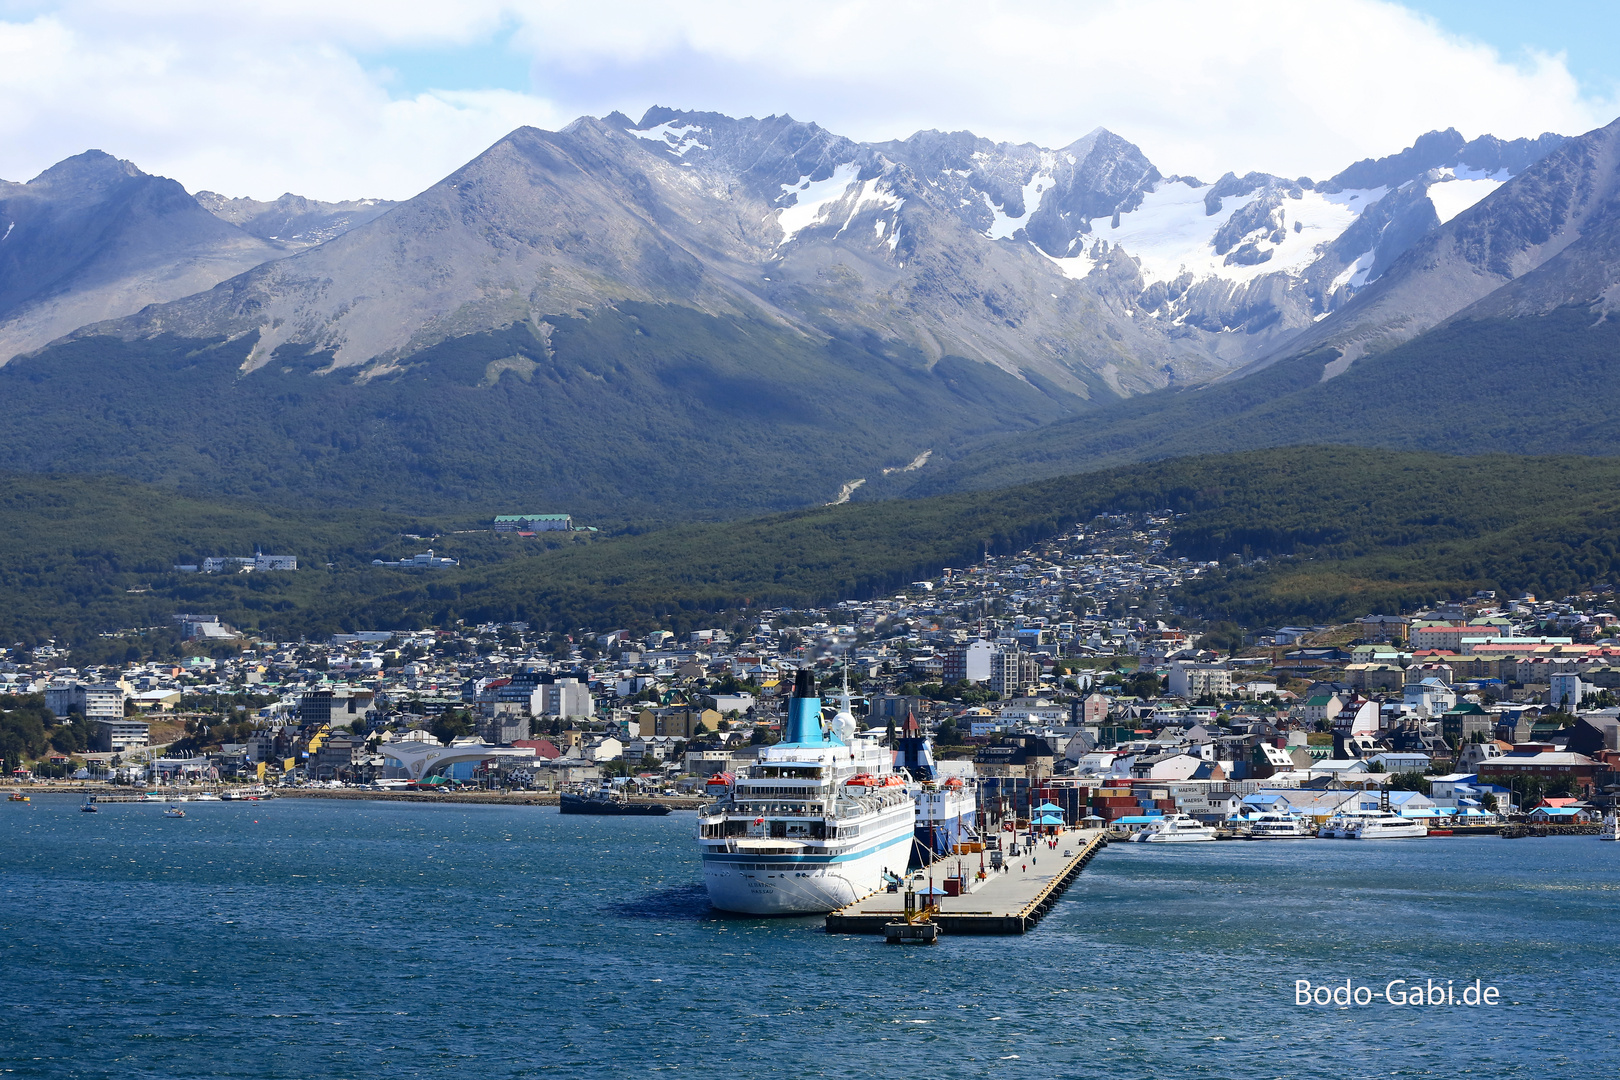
{"x": 804, "y": 712}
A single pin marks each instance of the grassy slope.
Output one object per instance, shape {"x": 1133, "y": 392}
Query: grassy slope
{"x": 1346, "y": 531}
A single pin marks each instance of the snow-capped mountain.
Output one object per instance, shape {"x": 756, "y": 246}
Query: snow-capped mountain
{"x": 693, "y": 313}
{"x": 1226, "y": 271}
{"x": 1081, "y": 269}
{"x": 1546, "y": 240}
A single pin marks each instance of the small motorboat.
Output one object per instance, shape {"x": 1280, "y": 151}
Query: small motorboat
{"x": 17, "y": 796}
{"x": 173, "y": 811}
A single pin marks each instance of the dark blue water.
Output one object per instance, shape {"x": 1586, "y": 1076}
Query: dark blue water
{"x": 322, "y": 939}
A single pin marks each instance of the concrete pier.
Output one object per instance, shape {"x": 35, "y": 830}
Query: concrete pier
{"x": 1010, "y": 902}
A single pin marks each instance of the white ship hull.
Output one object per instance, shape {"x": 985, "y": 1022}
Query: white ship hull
{"x": 1389, "y": 832}
{"x": 808, "y": 884}
{"x": 1174, "y": 829}
{"x": 1173, "y": 838}
{"x": 1272, "y": 828}
{"x": 1373, "y": 825}
{"x": 945, "y": 818}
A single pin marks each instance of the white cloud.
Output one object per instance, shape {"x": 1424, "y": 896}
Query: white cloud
{"x": 257, "y": 99}
{"x": 241, "y": 113}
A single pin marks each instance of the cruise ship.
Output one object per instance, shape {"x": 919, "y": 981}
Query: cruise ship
{"x": 816, "y": 824}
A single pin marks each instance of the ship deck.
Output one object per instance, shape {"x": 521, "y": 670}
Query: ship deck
{"x": 1010, "y": 902}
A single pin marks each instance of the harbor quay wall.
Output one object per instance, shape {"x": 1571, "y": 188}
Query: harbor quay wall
{"x": 496, "y": 798}
{"x": 1007, "y": 909}
{"x": 112, "y": 793}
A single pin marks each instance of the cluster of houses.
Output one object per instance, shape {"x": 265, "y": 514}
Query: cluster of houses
{"x": 1025, "y": 667}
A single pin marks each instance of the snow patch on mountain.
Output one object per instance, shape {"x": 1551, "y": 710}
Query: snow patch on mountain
{"x": 1003, "y": 225}
{"x": 815, "y": 201}
{"x": 1172, "y": 233}
{"x": 672, "y": 135}
{"x": 812, "y": 200}
{"x": 1355, "y": 275}
{"x": 1455, "y": 190}
{"x": 1073, "y": 267}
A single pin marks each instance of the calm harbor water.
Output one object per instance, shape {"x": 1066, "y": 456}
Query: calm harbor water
{"x": 301, "y": 938}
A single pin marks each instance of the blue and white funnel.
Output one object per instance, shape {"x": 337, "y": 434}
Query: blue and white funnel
{"x": 804, "y": 713}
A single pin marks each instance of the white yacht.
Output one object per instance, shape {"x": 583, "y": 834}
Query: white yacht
{"x": 1174, "y": 829}
{"x": 1279, "y": 825}
{"x": 1385, "y": 825}
{"x": 815, "y": 825}
{"x": 1340, "y": 825}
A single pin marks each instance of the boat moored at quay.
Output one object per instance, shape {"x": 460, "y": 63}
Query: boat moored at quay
{"x": 1174, "y": 829}
{"x": 947, "y": 807}
{"x": 815, "y": 825}
{"x": 605, "y": 802}
{"x": 1371, "y": 825}
{"x": 1277, "y": 825}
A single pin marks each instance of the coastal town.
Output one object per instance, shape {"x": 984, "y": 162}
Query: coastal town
{"x": 1060, "y": 669}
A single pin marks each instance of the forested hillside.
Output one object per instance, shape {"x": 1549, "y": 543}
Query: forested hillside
{"x": 1533, "y": 385}
{"x": 643, "y": 412}
{"x": 1314, "y": 533}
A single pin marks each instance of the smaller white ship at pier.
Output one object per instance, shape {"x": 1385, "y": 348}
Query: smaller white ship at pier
{"x": 1174, "y": 829}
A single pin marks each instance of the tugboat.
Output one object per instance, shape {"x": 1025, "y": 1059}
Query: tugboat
{"x": 603, "y": 801}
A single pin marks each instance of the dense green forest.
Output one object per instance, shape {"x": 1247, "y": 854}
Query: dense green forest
{"x": 1531, "y": 385}
{"x": 1303, "y": 533}
{"x": 636, "y": 413}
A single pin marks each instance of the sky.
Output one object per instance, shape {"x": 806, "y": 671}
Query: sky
{"x": 342, "y": 99}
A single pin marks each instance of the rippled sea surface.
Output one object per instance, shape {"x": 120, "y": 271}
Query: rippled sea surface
{"x": 303, "y": 938}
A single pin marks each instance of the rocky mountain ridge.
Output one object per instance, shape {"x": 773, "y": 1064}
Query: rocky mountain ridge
{"x": 93, "y": 237}
{"x": 693, "y": 315}
{"x": 292, "y": 221}
{"x": 1490, "y": 257}
{"x": 1082, "y": 268}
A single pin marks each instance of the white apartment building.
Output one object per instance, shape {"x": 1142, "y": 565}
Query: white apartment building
{"x": 116, "y": 736}
{"x": 99, "y": 701}
{"x": 1192, "y": 680}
